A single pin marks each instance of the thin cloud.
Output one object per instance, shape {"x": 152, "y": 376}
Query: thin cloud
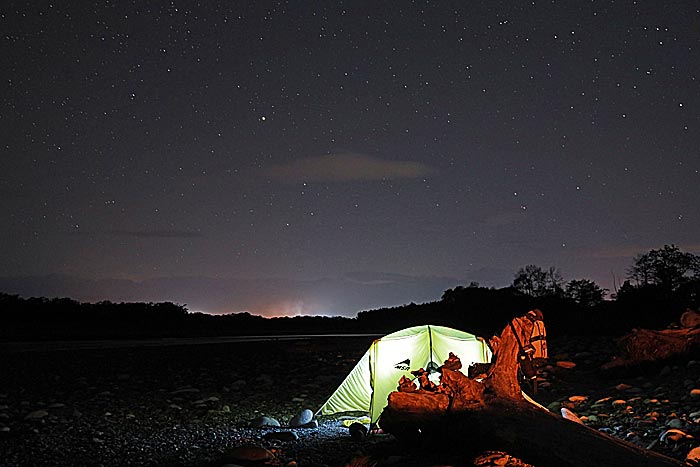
{"x": 156, "y": 233}
{"x": 345, "y": 167}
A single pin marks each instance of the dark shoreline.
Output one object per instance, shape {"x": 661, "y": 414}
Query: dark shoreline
{"x": 48, "y": 346}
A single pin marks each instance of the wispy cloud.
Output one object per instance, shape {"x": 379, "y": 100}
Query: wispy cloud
{"x": 345, "y": 167}
{"x": 156, "y": 233}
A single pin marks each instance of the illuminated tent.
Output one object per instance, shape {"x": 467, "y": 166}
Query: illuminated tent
{"x": 379, "y": 370}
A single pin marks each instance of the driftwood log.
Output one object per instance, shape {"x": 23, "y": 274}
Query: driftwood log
{"x": 646, "y": 345}
{"x": 492, "y": 414}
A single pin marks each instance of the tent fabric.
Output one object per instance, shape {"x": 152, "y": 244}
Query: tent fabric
{"x": 367, "y": 386}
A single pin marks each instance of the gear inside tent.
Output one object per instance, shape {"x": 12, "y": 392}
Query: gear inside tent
{"x": 378, "y": 372}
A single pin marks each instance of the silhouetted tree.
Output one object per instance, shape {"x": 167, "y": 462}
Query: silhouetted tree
{"x": 585, "y": 292}
{"x": 667, "y": 267}
{"x": 536, "y": 282}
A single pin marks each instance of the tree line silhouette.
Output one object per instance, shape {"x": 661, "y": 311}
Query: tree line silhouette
{"x": 660, "y": 285}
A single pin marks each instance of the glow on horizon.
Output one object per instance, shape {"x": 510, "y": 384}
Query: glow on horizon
{"x": 291, "y": 309}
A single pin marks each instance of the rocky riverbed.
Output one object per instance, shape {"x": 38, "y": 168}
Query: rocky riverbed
{"x": 199, "y": 405}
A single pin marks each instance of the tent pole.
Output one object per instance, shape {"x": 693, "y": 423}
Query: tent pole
{"x": 430, "y": 337}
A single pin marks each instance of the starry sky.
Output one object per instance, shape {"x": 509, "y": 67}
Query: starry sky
{"x": 328, "y": 157}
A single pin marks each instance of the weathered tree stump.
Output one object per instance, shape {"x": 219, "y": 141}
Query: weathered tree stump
{"x": 492, "y": 414}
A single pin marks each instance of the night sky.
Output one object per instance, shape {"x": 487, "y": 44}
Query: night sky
{"x": 330, "y": 157}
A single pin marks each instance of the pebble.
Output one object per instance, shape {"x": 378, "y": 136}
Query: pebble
{"x": 695, "y": 393}
{"x": 554, "y": 406}
{"x": 674, "y": 436}
{"x": 36, "y": 415}
{"x": 498, "y": 458}
{"x": 264, "y": 421}
{"x": 358, "y": 431}
{"x": 569, "y": 415}
{"x": 693, "y": 455}
{"x": 302, "y": 418}
{"x": 578, "y": 399}
{"x": 566, "y": 364}
{"x": 311, "y": 424}
{"x": 674, "y": 423}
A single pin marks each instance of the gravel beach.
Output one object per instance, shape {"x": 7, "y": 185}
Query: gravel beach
{"x": 193, "y": 404}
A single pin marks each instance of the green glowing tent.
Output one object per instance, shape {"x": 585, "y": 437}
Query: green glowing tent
{"x": 379, "y": 370}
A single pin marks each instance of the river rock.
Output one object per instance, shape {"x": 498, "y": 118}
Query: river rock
{"x": 264, "y": 421}
{"x": 498, "y": 458}
{"x": 358, "y": 431}
{"x": 569, "y": 415}
{"x": 251, "y": 453}
{"x": 302, "y": 418}
{"x": 694, "y": 455}
{"x": 36, "y": 415}
{"x": 554, "y": 406}
{"x": 674, "y": 436}
{"x": 674, "y": 423}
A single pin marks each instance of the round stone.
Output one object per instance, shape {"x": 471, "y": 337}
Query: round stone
{"x": 358, "y": 430}
{"x": 264, "y": 421}
{"x": 302, "y": 418}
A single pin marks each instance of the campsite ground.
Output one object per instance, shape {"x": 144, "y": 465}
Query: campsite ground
{"x": 177, "y": 405}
